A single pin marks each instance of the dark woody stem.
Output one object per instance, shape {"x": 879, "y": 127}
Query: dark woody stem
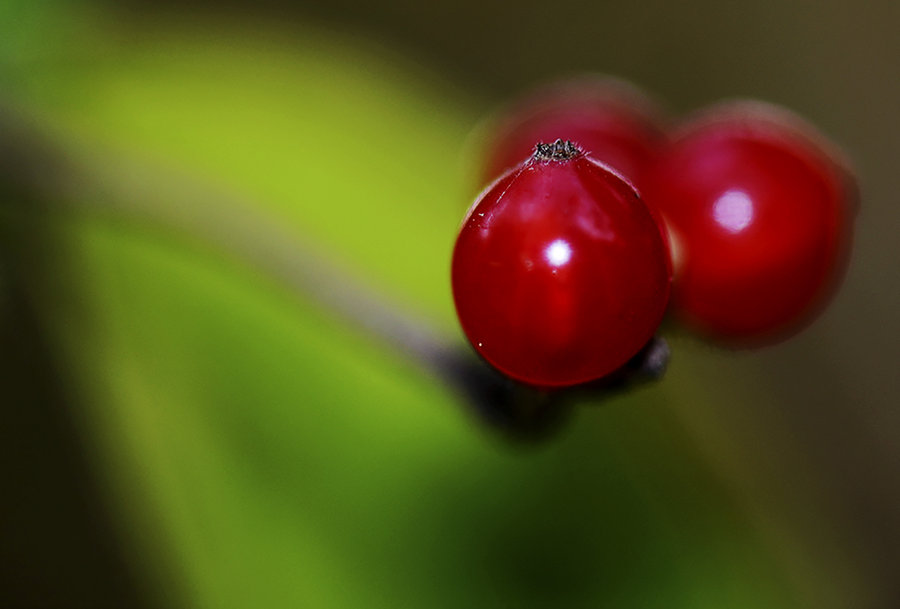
{"x": 121, "y": 190}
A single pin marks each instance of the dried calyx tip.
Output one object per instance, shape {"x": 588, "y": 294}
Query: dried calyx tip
{"x": 560, "y": 150}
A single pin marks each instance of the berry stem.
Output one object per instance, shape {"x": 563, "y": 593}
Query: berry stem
{"x": 121, "y": 190}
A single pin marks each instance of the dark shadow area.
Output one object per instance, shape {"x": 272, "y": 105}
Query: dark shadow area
{"x": 528, "y": 415}
{"x": 58, "y": 544}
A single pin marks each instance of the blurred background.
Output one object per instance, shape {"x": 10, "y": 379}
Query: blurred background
{"x": 187, "y": 422}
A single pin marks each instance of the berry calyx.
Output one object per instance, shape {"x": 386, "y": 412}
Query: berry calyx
{"x": 560, "y": 273}
{"x": 760, "y": 213}
{"x": 609, "y": 119}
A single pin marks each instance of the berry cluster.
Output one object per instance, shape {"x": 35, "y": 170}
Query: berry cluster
{"x": 564, "y": 265}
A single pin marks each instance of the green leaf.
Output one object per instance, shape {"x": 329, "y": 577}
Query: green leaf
{"x": 260, "y": 451}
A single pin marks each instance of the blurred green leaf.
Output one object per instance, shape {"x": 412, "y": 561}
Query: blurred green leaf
{"x": 261, "y": 453}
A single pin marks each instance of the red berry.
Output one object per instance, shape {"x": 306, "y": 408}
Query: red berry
{"x": 609, "y": 119}
{"x": 560, "y": 273}
{"x": 760, "y": 213}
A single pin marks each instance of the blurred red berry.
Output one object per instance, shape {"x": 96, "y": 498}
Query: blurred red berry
{"x": 609, "y": 119}
{"x": 560, "y": 273}
{"x": 760, "y": 216}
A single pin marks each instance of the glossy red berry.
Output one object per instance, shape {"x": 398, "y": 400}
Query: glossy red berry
{"x": 609, "y": 119}
{"x": 759, "y": 214}
{"x": 560, "y": 273}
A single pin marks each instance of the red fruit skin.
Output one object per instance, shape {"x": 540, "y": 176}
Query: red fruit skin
{"x": 611, "y": 121}
{"x": 560, "y": 273}
{"x": 761, "y": 217}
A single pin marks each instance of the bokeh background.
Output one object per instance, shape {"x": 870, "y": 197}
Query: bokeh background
{"x": 185, "y": 426}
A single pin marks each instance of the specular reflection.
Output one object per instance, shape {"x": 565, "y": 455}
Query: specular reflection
{"x": 733, "y": 211}
{"x": 558, "y": 253}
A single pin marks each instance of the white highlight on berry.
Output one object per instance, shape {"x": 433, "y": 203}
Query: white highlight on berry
{"x": 733, "y": 211}
{"x": 558, "y": 253}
